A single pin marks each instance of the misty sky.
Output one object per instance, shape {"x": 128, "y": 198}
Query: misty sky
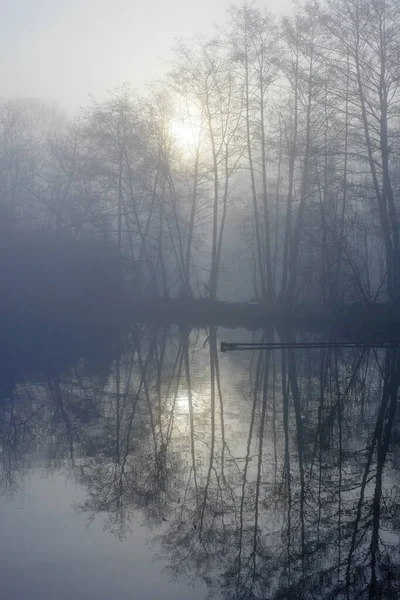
{"x": 64, "y": 50}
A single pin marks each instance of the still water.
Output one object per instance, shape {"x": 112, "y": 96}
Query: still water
{"x": 153, "y": 466}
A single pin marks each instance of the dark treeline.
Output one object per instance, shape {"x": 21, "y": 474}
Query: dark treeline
{"x": 51, "y": 278}
{"x": 269, "y": 475}
{"x": 269, "y": 156}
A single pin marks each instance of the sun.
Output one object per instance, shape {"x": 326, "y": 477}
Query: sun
{"x": 186, "y": 132}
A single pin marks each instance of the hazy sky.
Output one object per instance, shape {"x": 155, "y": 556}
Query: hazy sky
{"x": 64, "y": 50}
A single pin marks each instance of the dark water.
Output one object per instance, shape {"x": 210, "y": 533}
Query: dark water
{"x": 152, "y": 466}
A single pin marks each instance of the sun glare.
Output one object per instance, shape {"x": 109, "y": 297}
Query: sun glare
{"x": 182, "y": 402}
{"x": 186, "y": 133}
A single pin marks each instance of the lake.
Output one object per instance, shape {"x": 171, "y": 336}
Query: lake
{"x": 150, "y": 465}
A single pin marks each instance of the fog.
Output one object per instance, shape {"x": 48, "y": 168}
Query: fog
{"x": 64, "y": 51}
{"x": 178, "y": 180}
{"x": 263, "y": 164}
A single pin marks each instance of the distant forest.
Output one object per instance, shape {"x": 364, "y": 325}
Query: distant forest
{"x": 265, "y": 166}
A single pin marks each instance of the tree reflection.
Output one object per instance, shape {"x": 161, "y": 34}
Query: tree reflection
{"x": 268, "y": 475}
{"x": 49, "y": 397}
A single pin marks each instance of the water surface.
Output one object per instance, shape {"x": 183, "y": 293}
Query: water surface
{"x": 152, "y": 466}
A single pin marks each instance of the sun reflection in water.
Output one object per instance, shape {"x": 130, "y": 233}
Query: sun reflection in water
{"x": 184, "y": 402}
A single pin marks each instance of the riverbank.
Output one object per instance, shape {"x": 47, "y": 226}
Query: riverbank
{"x": 352, "y": 320}
{"x": 108, "y": 309}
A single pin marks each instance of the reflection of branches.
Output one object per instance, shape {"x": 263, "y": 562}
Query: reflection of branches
{"x": 213, "y": 345}
{"x": 260, "y": 458}
{"x": 381, "y": 441}
{"x": 292, "y": 374}
{"x": 214, "y": 357}
{"x": 228, "y": 517}
{"x": 11, "y": 433}
{"x": 244, "y": 481}
{"x": 288, "y": 489}
{"x": 119, "y": 480}
{"x": 191, "y": 411}
{"x": 277, "y": 496}
{"x": 46, "y": 418}
{"x": 340, "y": 454}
